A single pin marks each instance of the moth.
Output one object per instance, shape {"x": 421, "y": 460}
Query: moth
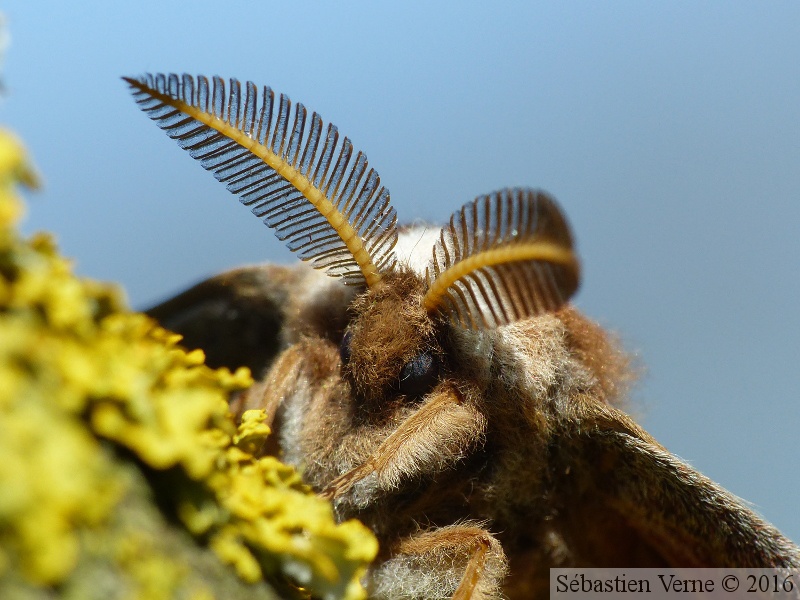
{"x": 435, "y": 383}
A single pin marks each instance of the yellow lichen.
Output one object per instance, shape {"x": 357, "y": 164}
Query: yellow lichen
{"x": 89, "y": 391}
{"x": 252, "y": 430}
{"x": 53, "y": 477}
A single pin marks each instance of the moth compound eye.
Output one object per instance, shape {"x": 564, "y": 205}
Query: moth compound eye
{"x": 419, "y": 375}
{"x": 344, "y": 347}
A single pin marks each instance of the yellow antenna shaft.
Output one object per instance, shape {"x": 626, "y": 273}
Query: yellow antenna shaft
{"x": 543, "y": 251}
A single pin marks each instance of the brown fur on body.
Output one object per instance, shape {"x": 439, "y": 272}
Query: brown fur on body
{"x": 516, "y": 460}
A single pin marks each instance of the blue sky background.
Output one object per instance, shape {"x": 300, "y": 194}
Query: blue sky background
{"x": 668, "y": 131}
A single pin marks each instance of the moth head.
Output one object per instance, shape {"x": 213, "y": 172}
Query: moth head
{"x": 503, "y": 257}
{"x": 390, "y": 347}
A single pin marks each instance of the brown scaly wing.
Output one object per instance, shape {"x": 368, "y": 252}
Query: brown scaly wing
{"x": 624, "y": 500}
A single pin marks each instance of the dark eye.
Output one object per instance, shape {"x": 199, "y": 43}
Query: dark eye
{"x": 419, "y": 375}
{"x": 344, "y": 347}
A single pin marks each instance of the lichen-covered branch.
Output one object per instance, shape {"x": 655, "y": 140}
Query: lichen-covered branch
{"x": 122, "y": 473}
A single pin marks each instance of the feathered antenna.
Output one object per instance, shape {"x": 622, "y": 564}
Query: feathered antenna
{"x": 329, "y": 209}
{"x": 503, "y": 257}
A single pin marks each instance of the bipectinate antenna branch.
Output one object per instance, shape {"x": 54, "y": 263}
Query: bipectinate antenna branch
{"x": 503, "y": 257}
{"x": 278, "y": 160}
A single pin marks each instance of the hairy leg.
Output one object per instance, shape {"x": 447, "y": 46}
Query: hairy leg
{"x": 462, "y": 561}
{"x": 427, "y": 442}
